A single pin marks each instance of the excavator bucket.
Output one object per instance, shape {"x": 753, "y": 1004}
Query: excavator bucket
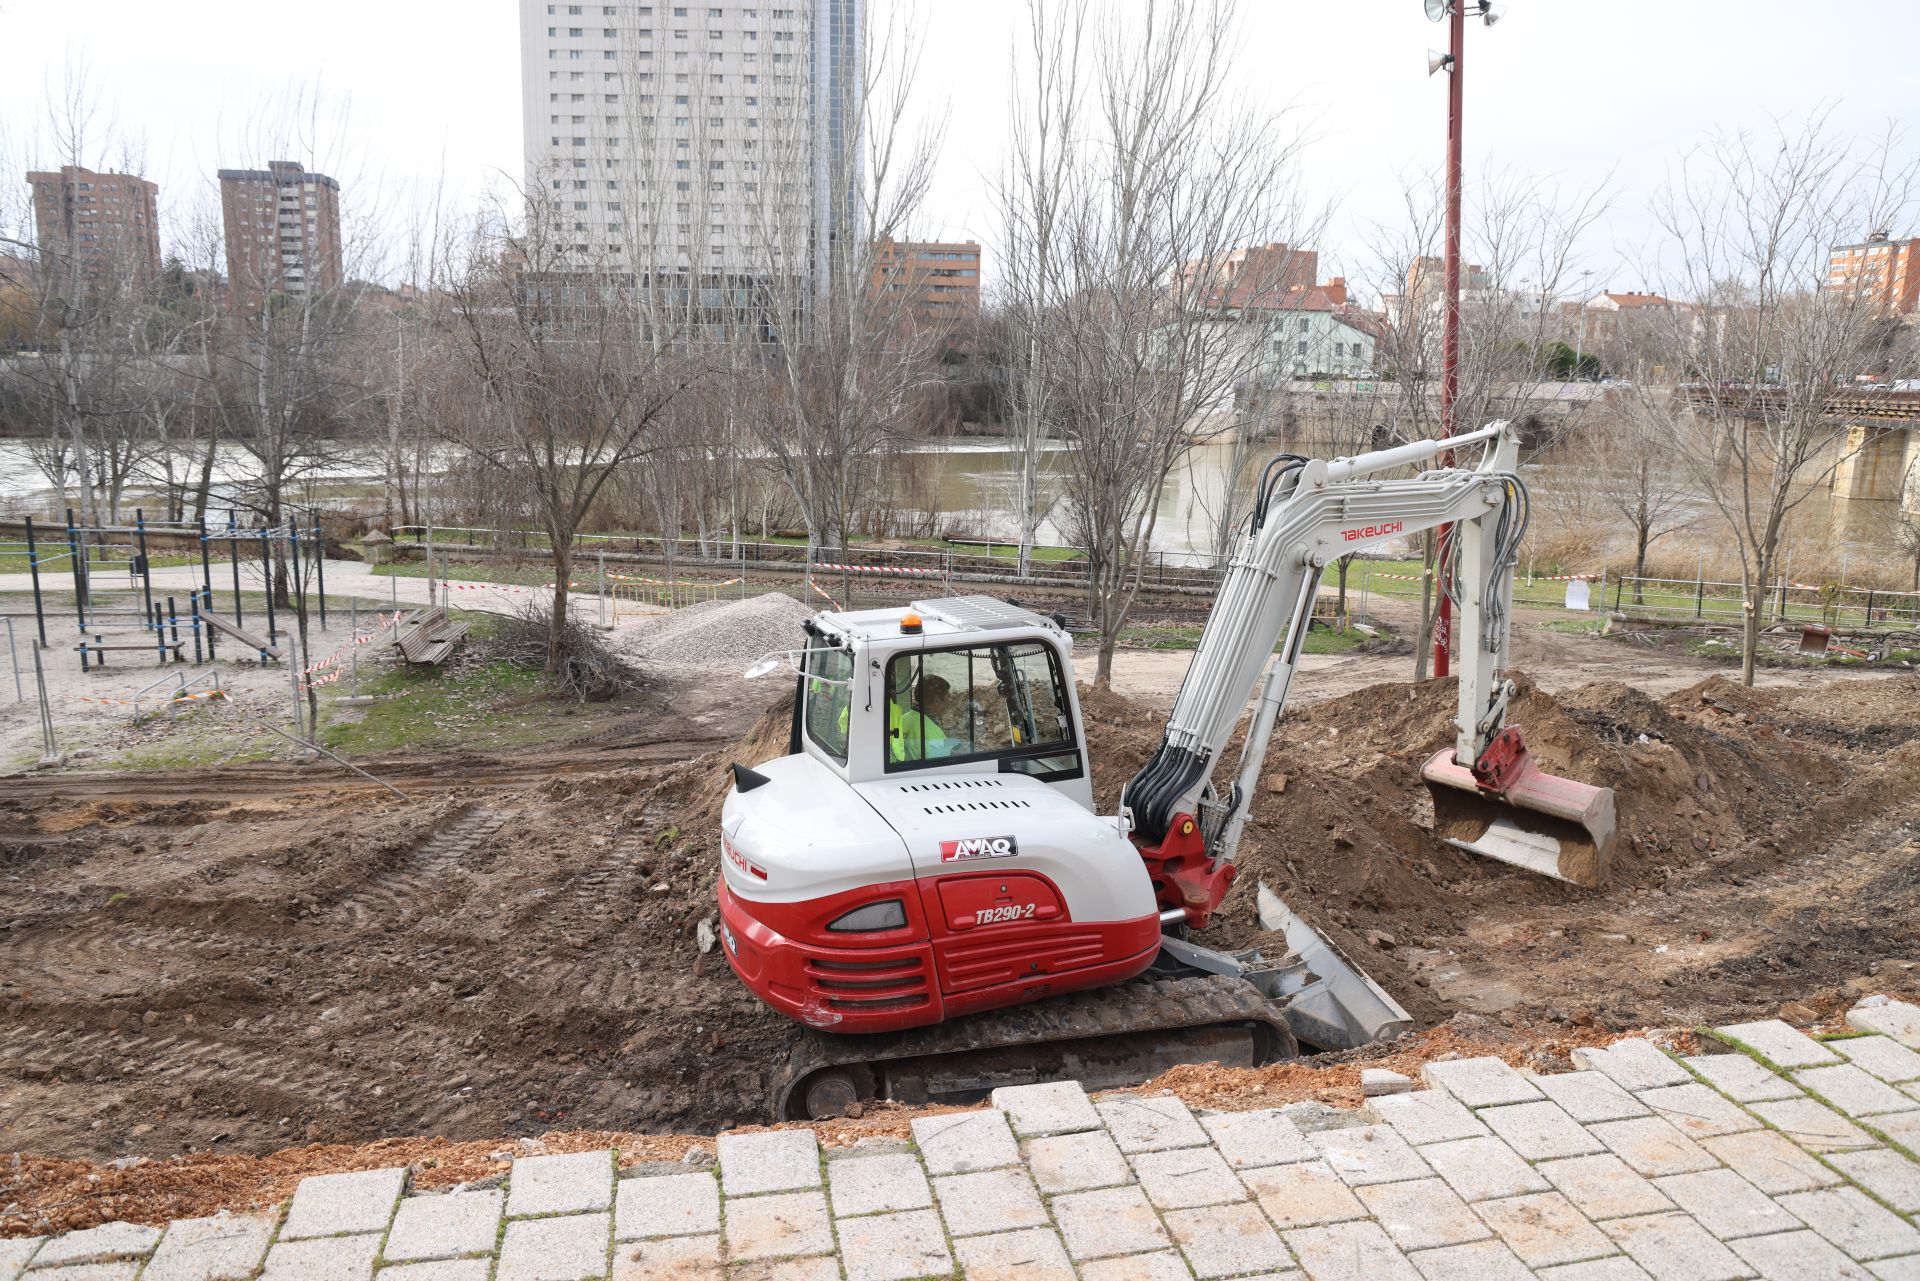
{"x": 1334, "y": 1004}
{"x": 1540, "y": 821}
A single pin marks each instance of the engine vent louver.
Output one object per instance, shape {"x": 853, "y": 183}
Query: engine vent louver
{"x": 957, "y": 807}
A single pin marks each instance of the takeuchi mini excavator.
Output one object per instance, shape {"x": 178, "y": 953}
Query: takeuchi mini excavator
{"x": 924, "y": 876}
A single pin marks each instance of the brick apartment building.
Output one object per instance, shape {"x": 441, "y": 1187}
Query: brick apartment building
{"x": 283, "y": 232}
{"x": 943, "y": 277}
{"x": 108, "y": 222}
{"x": 1880, "y": 269}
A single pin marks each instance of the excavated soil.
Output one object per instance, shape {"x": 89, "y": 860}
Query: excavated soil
{"x": 242, "y": 968}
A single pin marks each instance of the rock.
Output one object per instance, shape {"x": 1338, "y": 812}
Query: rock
{"x": 1872, "y": 1002}
{"x": 1380, "y": 939}
{"x": 1797, "y": 1014}
{"x": 1277, "y": 783}
{"x": 703, "y": 936}
{"x": 1375, "y": 1082}
{"x": 141, "y": 1129}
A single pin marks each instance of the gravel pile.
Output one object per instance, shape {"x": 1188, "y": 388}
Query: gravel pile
{"x": 727, "y": 634}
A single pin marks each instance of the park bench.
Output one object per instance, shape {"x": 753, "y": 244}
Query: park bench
{"x": 427, "y": 637}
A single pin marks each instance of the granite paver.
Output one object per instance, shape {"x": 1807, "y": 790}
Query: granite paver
{"x": 1540, "y": 1131}
{"x": 1481, "y": 1082}
{"x": 989, "y": 1201}
{"x": 1883, "y": 1056}
{"x": 1154, "y": 1124}
{"x": 1854, "y": 1090}
{"x": 1484, "y": 1169}
{"x": 1428, "y": 1116}
{"x": 695, "y": 1258}
{"x": 1056, "y": 1107}
{"x": 1187, "y": 1177}
{"x": 446, "y": 1226}
{"x": 1476, "y": 1261}
{"x": 1672, "y": 1247}
{"x": 568, "y": 1247}
{"x": 1544, "y": 1228}
{"x": 1742, "y": 1079}
{"x": 1226, "y": 1240}
{"x": 1854, "y": 1222}
{"x": 773, "y": 1227}
{"x": 1364, "y": 1154}
{"x": 780, "y": 1161}
{"x": 1262, "y": 1137}
{"x": 564, "y": 1183}
{"x": 1077, "y": 1162}
{"x": 1896, "y": 1019}
{"x": 226, "y": 1247}
{"x": 348, "y": 1258}
{"x": 1603, "y": 1187}
{"x": 893, "y": 1247}
{"x": 1884, "y": 1173}
{"x": 1726, "y": 1204}
{"x": 666, "y": 1205}
{"x": 1653, "y": 1147}
{"x": 1031, "y": 1255}
{"x": 1635, "y": 1063}
{"x": 876, "y": 1184}
{"x": 1422, "y": 1213}
{"x": 1798, "y": 1256}
{"x": 1097, "y": 1225}
{"x": 1590, "y": 1096}
{"x": 1698, "y": 1111}
{"x": 962, "y": 1141}
{"x": 1620, "y": 1171}
{"x": 103, "y": 1244}
{"x": 1303, "y": 1194}
{"x": 1349, "y": 1252}
{"x": 1779, "y": 1043}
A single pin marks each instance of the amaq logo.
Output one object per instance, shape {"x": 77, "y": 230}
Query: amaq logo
{"x": 978, "y": 847}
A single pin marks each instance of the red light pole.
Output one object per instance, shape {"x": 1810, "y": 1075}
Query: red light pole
{"x": 1455, "y": 11}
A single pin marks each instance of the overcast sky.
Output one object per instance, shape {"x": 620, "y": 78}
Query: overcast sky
{"x": 1575, "y": 90}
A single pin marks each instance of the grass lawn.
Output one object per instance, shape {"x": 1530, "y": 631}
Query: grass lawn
{"x": 1320, "y": 640}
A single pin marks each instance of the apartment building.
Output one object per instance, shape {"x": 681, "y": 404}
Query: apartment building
{"x": 107, "y": 223}
{"x": 282, "y": 230}
{"x": 940, "y": 278}
{"x": 717, "y": 139}
{"x": 1884, "y": 271}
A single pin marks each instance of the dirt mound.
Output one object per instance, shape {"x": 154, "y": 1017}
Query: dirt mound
{"x": 718, "y": 633}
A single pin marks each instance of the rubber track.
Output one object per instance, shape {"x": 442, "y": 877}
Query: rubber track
{"x": 1143, "y": 1005}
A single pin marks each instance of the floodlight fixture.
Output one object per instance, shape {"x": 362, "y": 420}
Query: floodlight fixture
{"x": 1437, "y": 9}
{"x": 1436, "y": 61}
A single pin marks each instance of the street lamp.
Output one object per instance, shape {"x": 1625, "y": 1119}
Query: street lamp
{"x": 1455, "y": 13}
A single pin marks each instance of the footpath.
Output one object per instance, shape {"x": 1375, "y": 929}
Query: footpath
{"x": 1774, "y": 1156}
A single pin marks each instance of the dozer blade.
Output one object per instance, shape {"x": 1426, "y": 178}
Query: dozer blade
{"x": 1544, "y": 823}
{"x": 1338, "y": 1006}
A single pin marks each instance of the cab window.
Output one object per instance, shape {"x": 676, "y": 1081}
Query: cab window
{"x": 829, "y": 694}
{"x": 980, "y": 703}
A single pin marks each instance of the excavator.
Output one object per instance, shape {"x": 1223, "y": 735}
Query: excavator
{"x": 923, "y": 879}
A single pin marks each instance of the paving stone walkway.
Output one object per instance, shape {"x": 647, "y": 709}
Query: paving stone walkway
{"x": 1779, "y": 1157}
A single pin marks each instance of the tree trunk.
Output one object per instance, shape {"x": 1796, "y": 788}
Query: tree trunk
{"x": 1640, "y": 565}
{"x": 1340, "y": 605}
{"x": 1755, "y": 605}
{"x": 562, "y": 576}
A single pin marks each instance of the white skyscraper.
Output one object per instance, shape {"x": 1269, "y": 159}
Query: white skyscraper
{"x": 718, "y": 140}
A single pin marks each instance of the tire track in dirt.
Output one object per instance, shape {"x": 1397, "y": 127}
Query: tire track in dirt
{"x": 380, "y": 902}
{"x": 72, "y": 956}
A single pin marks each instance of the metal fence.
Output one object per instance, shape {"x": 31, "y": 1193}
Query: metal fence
{"x": 1707, "y": 601}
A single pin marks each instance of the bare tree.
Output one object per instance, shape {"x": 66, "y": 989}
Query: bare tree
{"x": 568, "y": 368}
{"x": 1750, "y": 222}
{"x": 1628, "y": 460}
{"x": 1159, "y": 174}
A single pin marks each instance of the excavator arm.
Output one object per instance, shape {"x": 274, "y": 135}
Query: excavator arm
{"x": 1307, "y": 513}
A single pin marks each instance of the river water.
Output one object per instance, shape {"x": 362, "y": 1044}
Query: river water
{"x": 971, "y": 486}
